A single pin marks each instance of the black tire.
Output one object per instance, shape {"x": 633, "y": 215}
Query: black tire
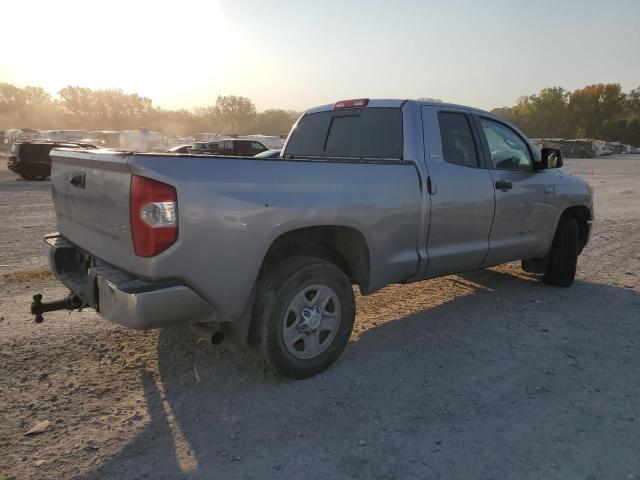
{"x": 563, "y": 256}
{"x": 276, "y": 291}
{"x": 36, "y": 172}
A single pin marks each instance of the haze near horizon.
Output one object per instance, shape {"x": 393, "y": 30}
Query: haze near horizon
{"x": 294, "y": 55}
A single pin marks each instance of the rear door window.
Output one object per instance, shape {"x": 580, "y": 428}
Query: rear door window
{"x": 355, "y": 133}
{"x": 457, "y": 141}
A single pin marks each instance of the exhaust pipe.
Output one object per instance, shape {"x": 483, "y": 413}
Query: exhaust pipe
{"x": 210, "y": 332}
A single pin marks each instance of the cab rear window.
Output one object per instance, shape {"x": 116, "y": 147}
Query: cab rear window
{"x": 374, "y": 133}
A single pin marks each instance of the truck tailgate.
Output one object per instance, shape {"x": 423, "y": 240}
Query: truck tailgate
{"x": 91, "y": 197}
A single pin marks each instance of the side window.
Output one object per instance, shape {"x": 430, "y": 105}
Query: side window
{"x": 244, "y": 148}
{"x": 257, "y": 147}
{"x": 508, "y": 150}
{"x": 457, "y": 140}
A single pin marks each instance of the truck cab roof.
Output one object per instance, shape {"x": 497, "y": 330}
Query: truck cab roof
{"x": 395, "y": 103}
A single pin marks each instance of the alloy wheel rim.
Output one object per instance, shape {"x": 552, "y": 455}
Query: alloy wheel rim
{"x": 311, "y": 320}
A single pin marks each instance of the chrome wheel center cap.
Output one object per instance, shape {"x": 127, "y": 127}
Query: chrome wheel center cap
{"x": 311, "y": 318}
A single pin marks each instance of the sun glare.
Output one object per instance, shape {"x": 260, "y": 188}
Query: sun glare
{"x": 144, "y": 47}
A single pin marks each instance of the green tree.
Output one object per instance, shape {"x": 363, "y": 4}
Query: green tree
{"x": 549, "y": 113}
{"x": 275, "y": 121}
{"x": 25, "y": 107}
{"x": 593, "y": 106}
{"x": 235, "y": 114}
{"x": 104, "y": 109}
{"x": 633, "y": 103}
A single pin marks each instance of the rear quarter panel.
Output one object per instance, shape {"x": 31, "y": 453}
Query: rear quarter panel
{"x": 231, "y": 210}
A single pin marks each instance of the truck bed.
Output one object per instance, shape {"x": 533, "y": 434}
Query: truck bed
{"x": 231, "y": 209}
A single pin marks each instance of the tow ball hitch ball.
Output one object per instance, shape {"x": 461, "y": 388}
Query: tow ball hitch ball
{"x": 38, "y": 307}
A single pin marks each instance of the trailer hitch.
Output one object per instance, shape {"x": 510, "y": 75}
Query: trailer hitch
{"x": 70, "y": 303}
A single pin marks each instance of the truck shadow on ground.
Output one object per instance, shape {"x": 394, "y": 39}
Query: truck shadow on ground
{"x": 514, "y": 379}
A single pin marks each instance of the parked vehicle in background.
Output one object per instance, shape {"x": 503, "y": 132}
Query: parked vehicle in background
{"x": 600, "y": 148}
{"x": 179, "y": 149}
{"x": 615, "y": 147}
{"x": 106, "y": 138}
{"x": 265, "y": 251}
{"x": 582, "y": 147}
{"x": 31, "y": 160}
{"x": 229, "y": 147}
{"x": 273, "y": 142}
{"x": 5, "y": 146}
{"x": 21, "y": 135}
{"x": 141, "y": 140}
{"x": 63, "y": 135}
{"x": 209, "y": 137}
{"x": 573, "y": 148}
{"x": 269, "y": 154}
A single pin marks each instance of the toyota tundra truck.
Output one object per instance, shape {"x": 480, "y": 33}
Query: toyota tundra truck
{"x": 265, "y": 252}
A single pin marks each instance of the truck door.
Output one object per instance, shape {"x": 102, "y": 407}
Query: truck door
{"x": 525, "y": 198}
{"x": 461, "y": 191}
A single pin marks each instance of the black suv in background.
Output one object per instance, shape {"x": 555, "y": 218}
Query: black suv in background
{"x": 31, "y": 160}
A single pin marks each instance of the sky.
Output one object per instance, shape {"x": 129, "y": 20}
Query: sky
{"x": 297, "y": 54}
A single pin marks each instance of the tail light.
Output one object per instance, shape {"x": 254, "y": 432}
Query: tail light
{"x": 153, "y": 211}
{"x": 360, "y": 102}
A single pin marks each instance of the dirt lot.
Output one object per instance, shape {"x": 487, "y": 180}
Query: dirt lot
{"x": 490, "y": 374}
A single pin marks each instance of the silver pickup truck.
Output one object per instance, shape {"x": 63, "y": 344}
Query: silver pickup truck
{"x": 264, "y": 252}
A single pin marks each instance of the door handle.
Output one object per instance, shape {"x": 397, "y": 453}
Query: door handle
{"x": 504, "y": 185}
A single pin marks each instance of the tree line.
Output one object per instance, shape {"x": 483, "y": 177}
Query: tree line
{"x": 601, "y": 112}
{"x": 113, "y": 109}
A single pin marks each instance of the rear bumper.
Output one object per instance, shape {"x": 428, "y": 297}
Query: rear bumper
{"x": 120, "y": 297}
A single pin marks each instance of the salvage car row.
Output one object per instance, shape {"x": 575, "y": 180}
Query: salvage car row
{"x": 31, "y": 160}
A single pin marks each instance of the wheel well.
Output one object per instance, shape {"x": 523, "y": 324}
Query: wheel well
{"x": 583, "y": 217}
{"x": 343, "y": 246}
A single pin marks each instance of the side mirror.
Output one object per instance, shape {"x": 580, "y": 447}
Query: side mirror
{"x": 551, "y": 158}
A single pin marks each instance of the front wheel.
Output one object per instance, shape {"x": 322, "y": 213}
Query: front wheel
{"x": 305, "y": 310}
{"x": 563, "y": 256}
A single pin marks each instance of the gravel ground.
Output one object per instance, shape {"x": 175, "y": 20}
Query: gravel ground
{"x": 489, "y": 374}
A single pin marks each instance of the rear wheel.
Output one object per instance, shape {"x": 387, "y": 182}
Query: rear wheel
{"x": 563, "y": 256}
{"x": 305, "y": 310}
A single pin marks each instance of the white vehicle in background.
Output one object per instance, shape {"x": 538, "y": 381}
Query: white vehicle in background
{"x": 63, "y": 135}
{"x": 175, "y": 141}
{"x": 19, "y": 134}
{"x": 601, "y": 149}
{"x": 209, "y": 137}
{"x": 141, "y": 140}
{"x": 106, "y": 138}
{"x": 615, "y": 147}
